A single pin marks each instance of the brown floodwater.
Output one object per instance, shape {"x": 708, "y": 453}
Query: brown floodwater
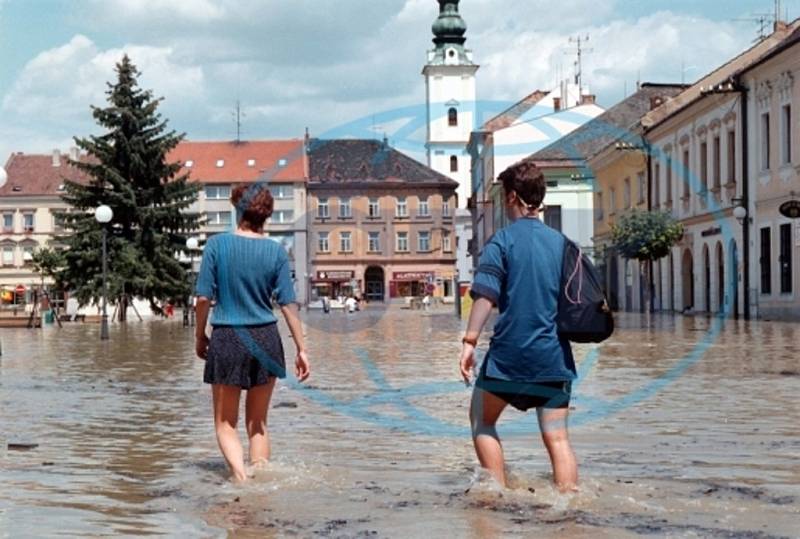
{"x": 682, "y": 429}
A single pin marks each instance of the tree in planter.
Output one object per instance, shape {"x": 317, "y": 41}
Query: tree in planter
{"x": 128, "y": 170}
{"x": 646, "y": 236}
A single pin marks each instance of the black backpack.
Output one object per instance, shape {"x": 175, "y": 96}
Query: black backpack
{"x": 583, "y": 312}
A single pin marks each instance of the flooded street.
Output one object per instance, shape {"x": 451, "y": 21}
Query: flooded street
{"x": 681, "y": 428}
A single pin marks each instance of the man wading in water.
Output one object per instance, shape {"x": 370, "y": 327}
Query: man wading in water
{"x": 527, "y": 365}
{"x": 242, "y": 271}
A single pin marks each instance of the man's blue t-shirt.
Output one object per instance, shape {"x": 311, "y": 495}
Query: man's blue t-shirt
{"x": 242, "y": 274}
{"x": 520, "y": 272}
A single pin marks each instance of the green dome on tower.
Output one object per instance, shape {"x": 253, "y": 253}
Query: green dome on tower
{"x": 449, "y": 27}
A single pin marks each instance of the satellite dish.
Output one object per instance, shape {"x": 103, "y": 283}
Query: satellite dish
{"x": 3, "y": 176}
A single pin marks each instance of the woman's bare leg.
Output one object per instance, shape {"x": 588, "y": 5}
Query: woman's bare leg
{"x": 256, "y": 411}
{"x": 226, "y": 415}
{"x": 553, "y": 426}
{"x": 484, "y": 412}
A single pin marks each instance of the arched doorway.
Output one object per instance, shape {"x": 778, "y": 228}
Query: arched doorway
{"x": 613, "y": 289}
{"x": 671, "y": 287}
{"x": 733, "y": 285}
{"x": 628, "y": 285}
{"x": 687, "y": 280}
{"x": 706, "y": 279}
{"x": 374, "y": 283}
{"x": 720, "y": 279}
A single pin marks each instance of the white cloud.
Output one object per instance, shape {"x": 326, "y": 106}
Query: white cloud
{"x": 191, "y": 10}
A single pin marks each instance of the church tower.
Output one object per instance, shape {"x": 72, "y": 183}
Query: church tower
{"x": 451, "y": 115}
{"x": 450, "y": 98}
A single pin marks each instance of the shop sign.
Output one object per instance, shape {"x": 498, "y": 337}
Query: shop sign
{"x": 335, "y": 275}
{"x": 713, "y": 231}
{"x": 790, "y": 209}
{"x": 411, "y": 275}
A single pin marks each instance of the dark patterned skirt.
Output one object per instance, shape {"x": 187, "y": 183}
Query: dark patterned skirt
{"x": 244, "y": 356}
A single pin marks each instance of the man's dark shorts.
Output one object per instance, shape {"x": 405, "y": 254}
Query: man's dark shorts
{"x": 526, "y": 395}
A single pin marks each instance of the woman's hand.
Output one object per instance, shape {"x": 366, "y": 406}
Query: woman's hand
{"x": 467, "y": 362}
{"x": 301, "y": 367}
{"x": 201, "y": 346}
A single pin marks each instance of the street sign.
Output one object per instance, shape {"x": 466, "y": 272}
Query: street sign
{"x": 20, "y": 289}
{"x": 790, "y": 209}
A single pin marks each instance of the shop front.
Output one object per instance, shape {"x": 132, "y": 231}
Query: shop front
{"x": 334, "y": 284}
{"x": 405, "y": 284}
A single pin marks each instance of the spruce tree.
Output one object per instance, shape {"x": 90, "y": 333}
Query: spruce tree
{"x": 127, "y": 169}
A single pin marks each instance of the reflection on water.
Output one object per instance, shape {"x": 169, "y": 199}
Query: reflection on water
{"x": 126, "y": 442}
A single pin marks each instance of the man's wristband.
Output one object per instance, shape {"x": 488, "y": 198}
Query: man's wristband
{"x": 470, "y": 340}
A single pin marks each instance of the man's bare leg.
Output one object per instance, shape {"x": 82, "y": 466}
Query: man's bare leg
{"x": 553, "y": 426}
{"x": 485, "y": 410}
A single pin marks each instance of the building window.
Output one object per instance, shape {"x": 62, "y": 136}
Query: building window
{"x": 345, "y": 245}
{"x": 686, "y": 174}
{"x": 656, "y": 187}
{"x": 552, "y": 217}
{"x": 282, "y": 217}
{"x": 453, "y": 163}
{"x": 452, "y": 117}
{"x": 218, "y": 218}
{"x": 8, "y": 222}
{"x": 423, "y": 241}
{"x": 732, "y": 157}
{"x": 668, "y": 183}
{"x": 599, "y": 207}
{"x": 612, "y": 201}
{"x": 423, "y": 210}
{"x": 626, "y": 193}
{"x": 785, "y": 259}
{"x": 322, "y": 242}
{"x": 703, "y": 167}
{"x": 8, "y": 255}
{"x": 765, "y": 141}
{"x": 447, "y": 245}
{"x": 322, "y": 208}
{"x": 786, "y": 137}
{"x": 374, "y": 242}
{"x": 218, "y": 192}
{"x": 28, "y": 222}
{"x": 58, "y": 221}
{"x": 401, "y": 210}
{"x": 345, "y": 211}
{"x": 766, "y": 261}
{"x": 374, "y": 208}
{"x": 446, "y": 208}
{"x": 402, "y": 242}
{"x": 282, "y": 191}
{"x": 27, "y": 255}
{"x": 640, "y": 187}
{"x": 716, "y": 162}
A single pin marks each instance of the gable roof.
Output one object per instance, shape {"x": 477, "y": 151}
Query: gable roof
{"x": 350, "y": 161}
{"x": 36, "y": 175}
{"x": 272, "y": 160}
{"x": 620, "y": 122}
{"x": 726, "y": 71}
{"x": 514, "y": 112}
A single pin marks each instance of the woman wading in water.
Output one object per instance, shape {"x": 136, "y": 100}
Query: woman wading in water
{"x": 527, "y": 365}
{"x": 242, "y": 272}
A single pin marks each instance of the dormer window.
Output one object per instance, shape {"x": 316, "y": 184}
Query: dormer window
{"x": 16, "y": 188}
{"x": 61, "y": 187}
{"x": 282, "y": 162}
{"x": 251, "y": 163}
{"x": 220, "y": 163}
{"x": 189, "y": 163}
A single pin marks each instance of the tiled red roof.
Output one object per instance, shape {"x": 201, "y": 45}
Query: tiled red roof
{"x": 511, "y": 114}
{"x": 270, "y": 160}
{"x": 35, "y": 175}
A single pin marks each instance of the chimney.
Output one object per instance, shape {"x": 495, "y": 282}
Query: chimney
{"x": 781, "y": 26}
{"x": 656, "y": 101}
{"x": 556, "y": 104}
{"x": 74, "y": 153}
{"x": 588, "y": 99}
{"x": 56, "y": 158}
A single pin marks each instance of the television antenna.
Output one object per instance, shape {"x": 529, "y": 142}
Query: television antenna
{"x": 238, "y": 115}
{"x": 579, "y": 50}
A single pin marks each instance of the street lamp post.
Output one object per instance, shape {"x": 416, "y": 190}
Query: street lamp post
{"x": 103, "y": 214}
{"x": 188, "y": 318}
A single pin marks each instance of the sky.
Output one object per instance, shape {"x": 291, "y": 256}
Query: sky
{"x": 338, "y": 67}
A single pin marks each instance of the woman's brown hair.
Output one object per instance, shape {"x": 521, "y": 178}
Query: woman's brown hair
{"x": 253, "y": 203}
{"x": 527, "y": 181}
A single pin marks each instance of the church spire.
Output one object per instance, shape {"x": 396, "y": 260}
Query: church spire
{"x": 449, "y": 27}
{"x": 449, "y": 31}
